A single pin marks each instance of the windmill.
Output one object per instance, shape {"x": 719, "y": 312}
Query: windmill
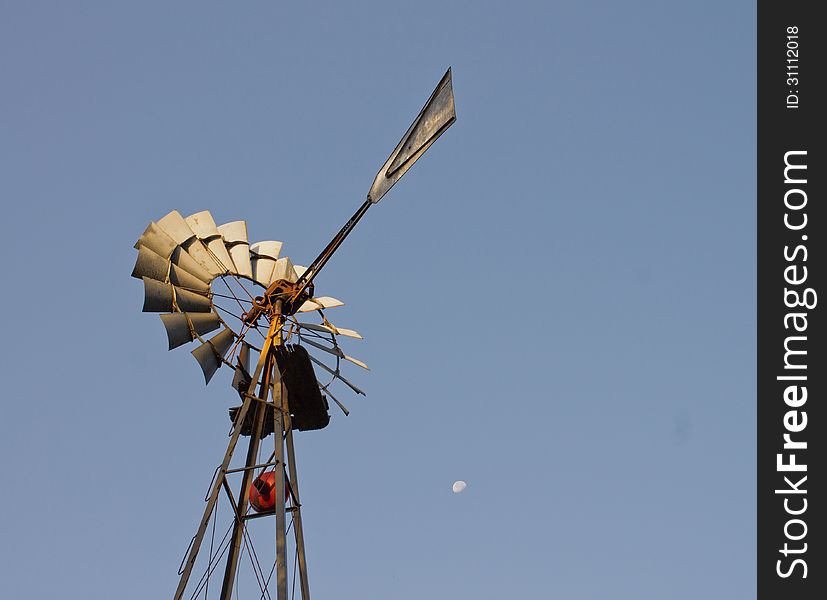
{"x": 205, "y": 278}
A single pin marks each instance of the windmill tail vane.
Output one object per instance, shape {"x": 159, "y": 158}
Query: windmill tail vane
{"x": 246, "y": 304}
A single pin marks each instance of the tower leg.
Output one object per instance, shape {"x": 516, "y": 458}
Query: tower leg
{"x": 222, "y": 469}
{"x": 243, "y": 495}
{"x": 297, "y": 514}
{"x": 278, "y": 430}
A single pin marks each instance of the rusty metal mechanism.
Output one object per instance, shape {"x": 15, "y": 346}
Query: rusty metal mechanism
{"x": 204, "y": 277}
{"x": 292, "y": 295}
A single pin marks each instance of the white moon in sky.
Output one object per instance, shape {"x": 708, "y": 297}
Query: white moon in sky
{"x": 459, "y": 486}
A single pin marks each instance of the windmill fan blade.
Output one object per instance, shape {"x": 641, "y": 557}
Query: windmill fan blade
{"x": 336, "y": 351}
{"x": 356, "y": 362}
{"x": 321, "y": 302}
{"x": 182, "y": 258}
{"x": 179, "y": 326}
{"x": 210, "y": 353}
{"x": 176, "y": 227}
{"x": 436, "y": 116}
{"x": 162, "y": 297}
{"x": 337, "y": 375}
{"x": 235, "y": 239}
{"x": 150, "y": 264}
{"x": 156, "y": 240}
{"x": 332, "y": 329}
{"x": 203, "y": 257}
{"x": 184, "y": 280}
{"x": 283, "y": 269}
{"x": 153, "y": 266}
{"x": 339, "y": 404}
{"x": 204, "y": 227}
{"x": 263, "y": 256}
{"x": 349, "y": 333}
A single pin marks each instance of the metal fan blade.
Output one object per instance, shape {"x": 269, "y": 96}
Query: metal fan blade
{"x": 336, "y": 375}
{"x": 182, "y": 258}
{"x": 150, "y": 264}
{"x": 314, "y": 327}
{"x": 309, "y": 306}
{"x": 180, "y": 326}
{"x": 235, "y": 239}
{"x": 263, "y": 256}
{"x": 204, "y": 227}
{"x": 342, "y": 406}
{"x": 332, "y": 329}
{"x": 204, "y": 257}
{"x": 283, "y": 269}
{"x": 349, "y": 333}
{"x": 436, "y": 116}
{"x": 336, "y": 351}
{"x": 184, "y": 280}
{"x": 357, "y": 362}
{"x": 176, "y": 227}
{"x": 156, "y": 267}
{"x": 210, "y": 354}
{"x": 321, "y": 302}
{"x": 157, "y": 240}
{"x": 179, "y": 230}
{"x": 328, "y": 302}
{"x": 299, "y": 270}
{"x": 159, "y": 296}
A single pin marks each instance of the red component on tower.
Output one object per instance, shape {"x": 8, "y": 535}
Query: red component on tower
{"x": 262, "y": 492}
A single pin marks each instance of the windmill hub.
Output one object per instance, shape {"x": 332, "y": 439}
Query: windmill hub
{"x": 291, "y": 294}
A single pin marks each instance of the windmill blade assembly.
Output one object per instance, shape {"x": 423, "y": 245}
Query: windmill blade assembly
{"x": 239, "y": 303}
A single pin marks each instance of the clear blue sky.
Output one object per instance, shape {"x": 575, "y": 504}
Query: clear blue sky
{"x": 558, "y": 301}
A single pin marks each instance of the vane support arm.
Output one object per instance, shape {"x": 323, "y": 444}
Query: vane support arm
{"x": 307, "y": 277}
{"x": 291, "y": 293}
{"x": 433, "y": 120}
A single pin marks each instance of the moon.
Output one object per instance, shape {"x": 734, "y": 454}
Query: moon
{"x": 459, "y": 486}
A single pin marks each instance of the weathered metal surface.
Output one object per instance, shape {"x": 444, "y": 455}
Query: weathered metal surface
{"x": 308, "y": 409}
{"x": 283, "y": 269}
{"x": 176, "y": 227}
{"x": 336, "y": 351}
{"x": 184, "y": 280}
{"x": 164, "y": 297}
{"x": 149, "y": 264}
{"x": 204, "y": 227}
{"x": 263, "y": 256}
{"x": 330, "y": 328}
{"x": 297, "y": 515}
{"x": 195, "y": 546}
{"x": 210, "y": 353}
{"x": 280, "y": 423}
{"x": 320, "y": 302}
{"x": 203, "y": 257}
{"x": 337, "y": 375}
{"x": 339, "y": 404}
{"x": 154, "y": 266}
{"x": 436, "y": 116}
{"x": 182, "y": 258}
{"x": 179, "y": 326}
{"x": 235, "y": 239}
{"x": 157, "y": 240}
{"x": 259, "y": 414}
